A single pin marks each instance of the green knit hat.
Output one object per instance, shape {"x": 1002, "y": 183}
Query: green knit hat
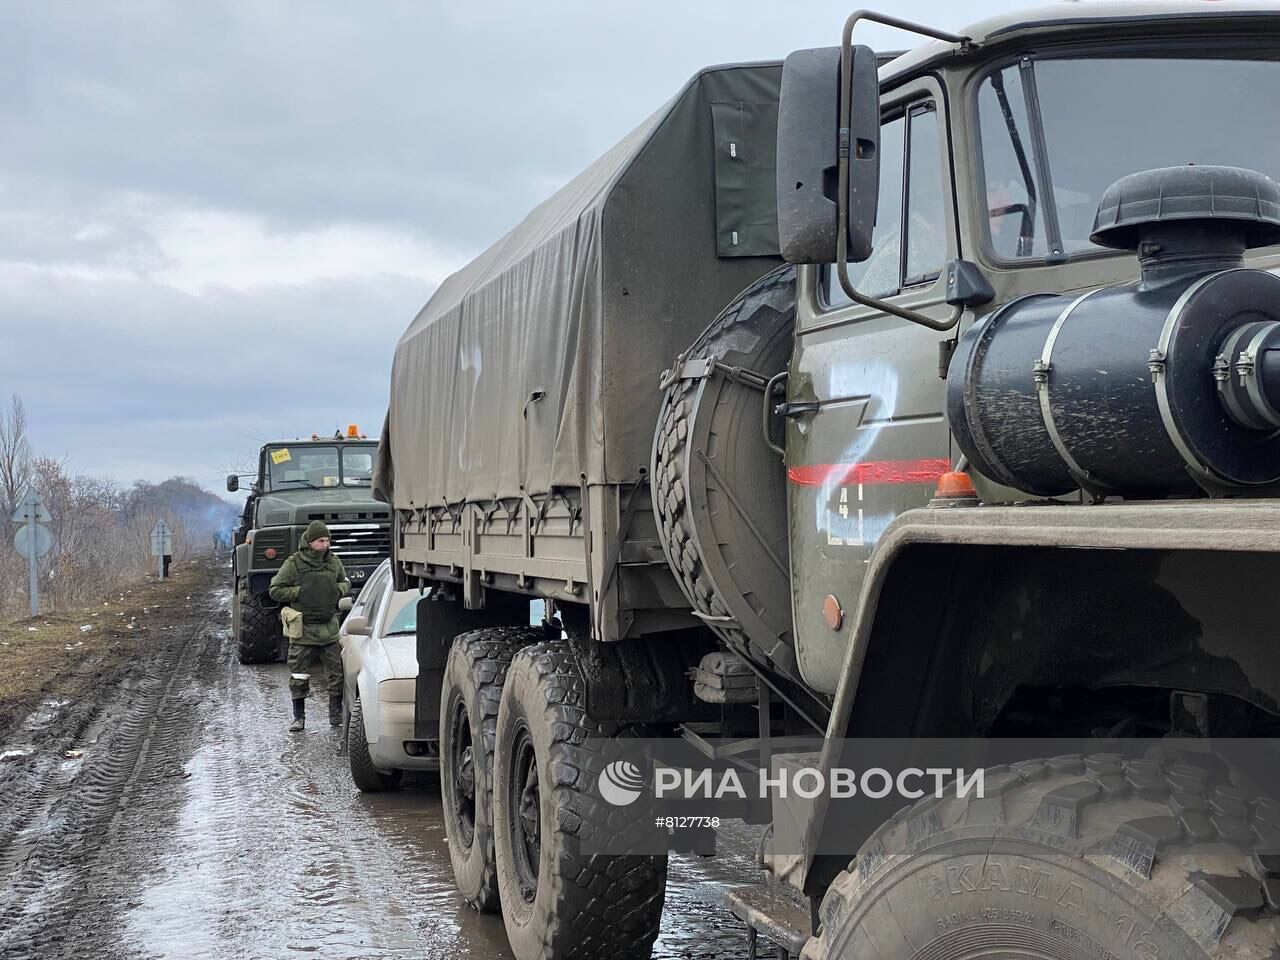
{"x": 315, "y": 530}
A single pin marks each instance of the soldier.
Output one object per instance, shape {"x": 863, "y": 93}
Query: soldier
{"x": 314, "y": 585}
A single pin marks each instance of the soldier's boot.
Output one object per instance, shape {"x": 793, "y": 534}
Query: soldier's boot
{"x": 335, "y": 710}
{"x": 299, "y": 715}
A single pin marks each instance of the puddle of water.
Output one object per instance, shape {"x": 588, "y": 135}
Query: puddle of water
{"x": 48, "y": 710}
{"x": 696, "y": 924}
{"x": 275, "y": 853}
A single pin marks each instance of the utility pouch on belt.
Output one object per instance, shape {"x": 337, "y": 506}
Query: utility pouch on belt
{"x": 292, "y": 620}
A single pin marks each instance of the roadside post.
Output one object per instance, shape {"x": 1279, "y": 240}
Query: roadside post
{"x": 32, "y": 540}
{"x": 161, "y": 547}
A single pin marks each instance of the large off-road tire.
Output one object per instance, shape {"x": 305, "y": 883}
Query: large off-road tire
{"x": 366, "y": 777}
{"x": 720, "y": 496}
{"x": 469, "y": 700}
{"x": 259, "y": 634}
{"x": 1067, "y": 859}
{"x": 560, "y": 901}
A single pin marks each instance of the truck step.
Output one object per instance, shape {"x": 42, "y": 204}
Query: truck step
{"x": 774, "y": 913}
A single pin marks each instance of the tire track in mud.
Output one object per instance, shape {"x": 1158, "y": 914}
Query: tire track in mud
{"x": 196, "y": 826}
{"x": 296, "y": 860}
{"x": 63, "y": 818}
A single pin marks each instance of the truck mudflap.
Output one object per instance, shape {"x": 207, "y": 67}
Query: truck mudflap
{"x": 1248, "y": 526}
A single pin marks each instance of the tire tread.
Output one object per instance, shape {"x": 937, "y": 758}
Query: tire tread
{"x": 1083, "y": 807}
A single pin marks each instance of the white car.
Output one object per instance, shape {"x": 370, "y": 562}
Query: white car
{"x": 380, "y": 667}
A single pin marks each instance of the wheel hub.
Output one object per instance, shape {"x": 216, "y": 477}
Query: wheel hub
{"x": 525, "y": 815}
{"x": 464, "y": 777}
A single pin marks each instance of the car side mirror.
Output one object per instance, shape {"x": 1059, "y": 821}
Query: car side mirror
{"x": 809, "y": 139}
{"x": 233, "y": 483}
{"x": 359, "y": 626}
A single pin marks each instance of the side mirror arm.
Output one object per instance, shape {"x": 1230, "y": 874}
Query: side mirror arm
{"x": 842, "y": 157}
{"x": 842, "y": 271}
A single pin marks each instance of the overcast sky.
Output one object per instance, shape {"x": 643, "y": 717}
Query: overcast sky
{"x": 217, "y": 218}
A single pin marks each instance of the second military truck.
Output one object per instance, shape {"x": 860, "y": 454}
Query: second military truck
{"x": 297, "y": 481}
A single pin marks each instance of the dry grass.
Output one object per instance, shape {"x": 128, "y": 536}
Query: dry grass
{"x": 50, "y": 655}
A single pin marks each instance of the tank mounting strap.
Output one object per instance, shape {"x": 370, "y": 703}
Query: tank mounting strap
{"x": 1042, "y": 374}
{"x": 1201, "y": 472}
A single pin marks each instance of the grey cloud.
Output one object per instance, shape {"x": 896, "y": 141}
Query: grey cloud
{"x": 118, "y": 372}
{"x": 435, "y": 116}
{"x": 444, "y": 123}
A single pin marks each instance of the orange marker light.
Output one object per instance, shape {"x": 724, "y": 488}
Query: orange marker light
{"x": 832, "y": 612}
{"x": 955, "y": 489}
{"x": 955, "y": 483}
{"x": 353, "y": 431}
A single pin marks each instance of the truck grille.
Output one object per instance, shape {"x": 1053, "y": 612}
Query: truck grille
{"x": 277, "y": 538}
{"x": 363, "y": 516}
{"x": 360, "y": 544}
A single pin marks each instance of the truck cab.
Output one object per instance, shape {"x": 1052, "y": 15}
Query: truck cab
{"x": 1080, "y": 179}
{"x": 298, "y": 481}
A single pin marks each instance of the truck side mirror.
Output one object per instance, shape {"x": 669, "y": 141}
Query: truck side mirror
{"x": 358, "y": 626}
{"x": 808, "y": 154}
{"x": 233, "y": 483}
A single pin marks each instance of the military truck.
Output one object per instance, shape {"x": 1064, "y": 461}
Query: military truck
{"x": 943, "y": 406}
{"x": 297, "y": 481}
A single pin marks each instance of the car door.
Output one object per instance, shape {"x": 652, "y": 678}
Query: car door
{"x": 866, "y": 433}
{"x": 353, "y": 645}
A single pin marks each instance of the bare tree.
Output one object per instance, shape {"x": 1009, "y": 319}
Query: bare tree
{"x": 15, "y": 457}
{"x": 100, "y": 531}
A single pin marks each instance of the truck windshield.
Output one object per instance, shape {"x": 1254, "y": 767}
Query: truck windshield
{"x": 1104, "y": 119}
{"x": 312, "y": 466}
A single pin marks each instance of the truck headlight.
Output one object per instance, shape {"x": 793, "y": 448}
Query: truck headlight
{"x": 399, "y": 690}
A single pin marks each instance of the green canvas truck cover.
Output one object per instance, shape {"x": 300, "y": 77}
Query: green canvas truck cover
{"x": 537, "y": 364}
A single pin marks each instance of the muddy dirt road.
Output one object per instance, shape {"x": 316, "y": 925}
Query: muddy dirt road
{"x": 168, "y": 813}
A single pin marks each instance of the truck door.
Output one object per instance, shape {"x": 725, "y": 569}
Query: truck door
{"x": 866, "y": 433}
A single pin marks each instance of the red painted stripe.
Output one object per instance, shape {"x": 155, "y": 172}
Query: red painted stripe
{"x": 868, "y": 472}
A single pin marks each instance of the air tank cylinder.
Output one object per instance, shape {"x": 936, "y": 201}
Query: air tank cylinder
{"x": 1166, "y": 386}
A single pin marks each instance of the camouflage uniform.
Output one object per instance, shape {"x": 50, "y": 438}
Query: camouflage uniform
{"x": 312, "y": 583}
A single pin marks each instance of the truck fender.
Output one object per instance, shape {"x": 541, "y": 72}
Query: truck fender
{"x": 940, "y": 556}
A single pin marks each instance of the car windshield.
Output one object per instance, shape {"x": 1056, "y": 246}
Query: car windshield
{"x": 404, "y": 620}
{"x": 1104, "y": 119}
{"x": 313, "y": 466}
